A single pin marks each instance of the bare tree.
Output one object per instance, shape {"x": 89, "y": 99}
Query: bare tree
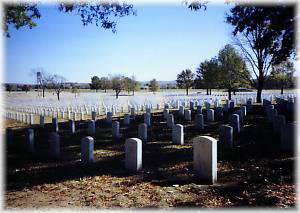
{"x": 42, "y": 78}
{"x": 57, "y": 83}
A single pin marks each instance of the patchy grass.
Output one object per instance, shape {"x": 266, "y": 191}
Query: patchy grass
{"x": 253, "y": 174}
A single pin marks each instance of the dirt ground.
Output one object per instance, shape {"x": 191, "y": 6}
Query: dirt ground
{"x": 255, "y": 173}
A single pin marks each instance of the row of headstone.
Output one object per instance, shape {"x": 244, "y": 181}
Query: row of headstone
{"x": 80, "y": 112}
{"x": 46, "y": 110}
{"x": 227, "y": 131}
{"x": 204, "y": 156}
{"x": 286, "y": 131}
{"x": 205, "y": 151}
{"x": 20, "y": 117}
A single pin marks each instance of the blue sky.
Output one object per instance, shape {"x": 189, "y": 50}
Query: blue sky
{"x": 159, "y": 42}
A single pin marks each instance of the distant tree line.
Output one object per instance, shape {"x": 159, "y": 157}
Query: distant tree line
{"x": 228, "y": 71}
{"x": 117, "y": 83}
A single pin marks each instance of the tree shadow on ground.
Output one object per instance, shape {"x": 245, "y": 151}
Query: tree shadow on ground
{"x": 257, "y": 151}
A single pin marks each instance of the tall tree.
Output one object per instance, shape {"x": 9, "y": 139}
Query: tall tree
{"x": 233, "y": 72}
{"x": 208, "y": 74}
{"x": 105, "y": 83}
{"x": 74, "y": 89}
{"x": 185, "y": 79}
{"x": 153, "y": 85}
{"x": 283, "y": 73}
{"x": 135, "y": 85}
{"x": 117, "y": 83}
{"x": 265, "y": 35}
{"x": 104, "y": 14}
{"x": 127, "y": 84}
{"x": 95, "y": 83}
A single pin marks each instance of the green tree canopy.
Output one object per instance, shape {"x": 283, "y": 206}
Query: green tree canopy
{"x": 117, "y": 83}
{"x": 233, "y": 72}
{"x": 265, "y": 35}
{"x": 153, "y": 85}
{"x": 95, "y": 83}
{"x": 103, "y": 14}
{"x": 104, "y": 83}
{"x": 282, "y": 73}
{"x": 208, "y": 74}
{"x": 185, "y": 80}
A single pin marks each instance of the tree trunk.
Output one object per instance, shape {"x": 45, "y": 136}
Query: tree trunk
{"x": 187, "y": 91}
{"x": 117, "y": 94}
{"x": 234, "y": 92}
{"x": 57, "y": 95}
{"x": 133, "y": 92}
{"x": 281, "y": 89}
{"x": 105, "y": 90}
{"x": 229, "y": 94}
{"x": 260, "y": 87}
{"x": 43, "y": 92}
{"x": 210, "y": 91}
{"x": 207, "y": 93}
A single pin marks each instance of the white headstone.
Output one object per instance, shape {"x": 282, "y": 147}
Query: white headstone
{"x": 91, "y": 127}
{"x": 30, "y": 140}
{"x": 244, "y": 110}
{"x": 72, "y": 126}
{"x": 109, "y": 117}
{"x": 226, "y": 136}
{"x": 87, "y": 150}
{"x": 235, "y": 123}
{"x": 133, "y": 154}
{"x": 187, "y": 115}
{"x": 166, "y": 113}
{"x": 205, "y": 158}
{"x": 75, "y": 116}
{"x": 170, "y": 121}
{"x": 147, "y": 119}
{"x": 199, "y": 121}
{"x": 94, "y": 114}
{"x": 210, "y": 115}
{"x": 199, "y": 109}
{"x": 181, "y": 110}
{"x": 82, "y": 117}
{"x": 115, "y": 129}
{"x": 177, "y": 134}
{"x": 142, "y": 132}
{"x": 126, "y": 119}
{"x": 192, "y": 105}
{"x": 55, "y": 124}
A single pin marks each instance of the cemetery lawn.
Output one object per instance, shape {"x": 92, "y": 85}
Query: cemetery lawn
{"x": 255, "y": 173}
